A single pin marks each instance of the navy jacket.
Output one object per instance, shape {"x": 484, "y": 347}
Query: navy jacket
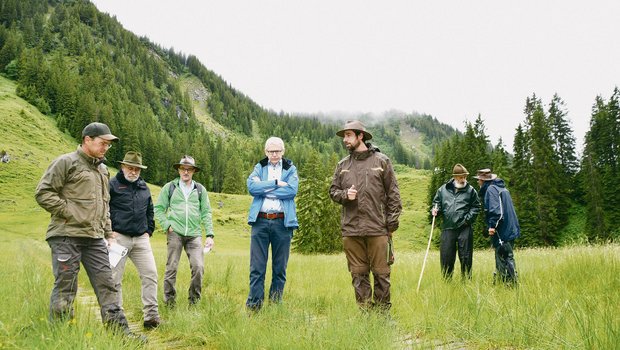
{"x": 131, "y": 206}
{"x": 499, "y": 210}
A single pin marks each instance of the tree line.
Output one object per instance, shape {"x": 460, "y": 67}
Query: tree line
{"x": 559, "y": 198}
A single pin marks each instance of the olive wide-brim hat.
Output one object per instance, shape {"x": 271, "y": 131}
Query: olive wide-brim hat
{"x": 187, "y": 161}
{"x": 459, "y": 170}
{"x": 354, "y": 125}
{"x": 133, "y": 159}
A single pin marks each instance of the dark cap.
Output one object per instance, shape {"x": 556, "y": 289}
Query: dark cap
{"x": 96, "y": 129}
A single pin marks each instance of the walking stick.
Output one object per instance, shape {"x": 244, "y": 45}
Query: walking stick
{"x": 428, "y": 247}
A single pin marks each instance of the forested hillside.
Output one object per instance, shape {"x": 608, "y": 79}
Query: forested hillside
{"x": 77, "y": 65}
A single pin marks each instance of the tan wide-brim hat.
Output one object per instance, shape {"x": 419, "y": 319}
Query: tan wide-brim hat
{"x": 187, "y": 161}
{"x": 459, "y": 170}
{"x": 485, "y": 175}
{"x": 354, "y": 125}
{"x": 133, "y": 159}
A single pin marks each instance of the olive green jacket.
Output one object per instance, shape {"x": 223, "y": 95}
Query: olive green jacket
{"x": 74, "y": 189}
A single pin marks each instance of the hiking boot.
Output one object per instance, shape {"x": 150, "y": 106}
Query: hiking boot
{"x": 152, "y": 323}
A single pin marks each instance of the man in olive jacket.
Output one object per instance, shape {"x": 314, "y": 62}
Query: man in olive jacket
{"x": 365, "y": 185}
{"x": 74, "y": 190}
{"x": 458, "y": 202}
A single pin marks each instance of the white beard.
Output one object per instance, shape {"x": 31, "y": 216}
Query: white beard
{"x": 459, "y": 185}
{"x": 130, "y": 180}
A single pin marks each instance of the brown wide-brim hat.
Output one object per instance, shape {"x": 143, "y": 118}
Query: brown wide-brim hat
{"x": 133, "y": 159}
{"x": 459, "y": 170}
{"x": 354, "y": 125}
{"x": 187, "y": 161}
{"x": 485, "y": 175}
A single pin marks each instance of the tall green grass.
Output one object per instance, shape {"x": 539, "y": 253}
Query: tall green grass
{"x": 567, "y": 299}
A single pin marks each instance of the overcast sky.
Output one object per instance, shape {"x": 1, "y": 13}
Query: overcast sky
{"x": 451, "y": 59}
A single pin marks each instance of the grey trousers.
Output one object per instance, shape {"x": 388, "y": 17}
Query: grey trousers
{"x": 140, "y": 252}
{"x": 193, "y": 249}
{"x": 67, "y": 253}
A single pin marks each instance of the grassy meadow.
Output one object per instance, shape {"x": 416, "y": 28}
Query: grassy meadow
{"x": 568, "y": 297}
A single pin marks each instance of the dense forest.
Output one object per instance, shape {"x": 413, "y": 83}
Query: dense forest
{"x": 78, "y": 65}
{"x": 552, "y": 189}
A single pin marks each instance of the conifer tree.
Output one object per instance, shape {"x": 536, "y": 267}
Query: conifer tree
{"x": 318, "y": 215}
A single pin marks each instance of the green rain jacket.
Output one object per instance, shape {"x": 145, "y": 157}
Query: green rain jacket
{"x": 184, "y": 215}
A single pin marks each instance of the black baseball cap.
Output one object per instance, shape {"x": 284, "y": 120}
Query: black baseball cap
{"x": 96, "y": 129}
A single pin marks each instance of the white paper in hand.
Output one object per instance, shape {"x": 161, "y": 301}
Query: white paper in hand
{"x": 116, "y": 253}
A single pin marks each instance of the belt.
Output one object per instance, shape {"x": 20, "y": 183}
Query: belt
{"x": 271, "y": 216}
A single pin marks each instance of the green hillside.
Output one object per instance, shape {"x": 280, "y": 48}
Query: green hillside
{"x": 32, "y": 140}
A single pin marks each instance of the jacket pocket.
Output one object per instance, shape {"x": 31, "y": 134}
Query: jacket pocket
{"x": 80, "y": 212}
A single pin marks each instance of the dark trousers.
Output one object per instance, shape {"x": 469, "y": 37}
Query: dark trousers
{"x": 366, "y": 254}
{"x": 505, "y": 261}
{"x": 67, "y": 253}
{"x": 461, "y": 240}
{"x": 267, "y": 232}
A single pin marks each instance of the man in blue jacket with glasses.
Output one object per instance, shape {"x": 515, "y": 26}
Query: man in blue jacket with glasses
{"x": 273, "y": 184}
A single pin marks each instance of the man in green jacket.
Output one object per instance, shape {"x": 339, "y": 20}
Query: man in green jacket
{"x": 458, "y": 202}
{"x": 182, "y": 207}
{"x": 74, "y": 190}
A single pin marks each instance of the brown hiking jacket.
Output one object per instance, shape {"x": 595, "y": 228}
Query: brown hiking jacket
{"x": 377, "y": 207}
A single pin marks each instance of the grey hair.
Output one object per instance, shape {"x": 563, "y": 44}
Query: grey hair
{"x": 276, "y": 141}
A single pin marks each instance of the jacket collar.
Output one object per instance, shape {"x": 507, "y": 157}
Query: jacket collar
{"x": 121, "y": 178}
{"x": 286, "y": 163}
{"x": 88, "y": 159}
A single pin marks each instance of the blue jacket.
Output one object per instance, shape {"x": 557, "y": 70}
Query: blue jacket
{"x": 260, "y": 189}
{"x": 501, "y": 216}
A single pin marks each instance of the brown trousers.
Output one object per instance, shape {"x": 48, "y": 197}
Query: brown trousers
{"x": 366, "y": 254}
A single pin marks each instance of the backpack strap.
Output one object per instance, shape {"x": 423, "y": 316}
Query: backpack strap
{"x": 199, "y": 189}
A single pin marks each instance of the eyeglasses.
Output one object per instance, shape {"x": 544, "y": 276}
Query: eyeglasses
{"x": 188, "y": 170}
{"x": 274, "y": 151}
{"x": 102, "y": 143}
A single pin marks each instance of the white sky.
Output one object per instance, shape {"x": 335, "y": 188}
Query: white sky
{"x": 451, "y": 59}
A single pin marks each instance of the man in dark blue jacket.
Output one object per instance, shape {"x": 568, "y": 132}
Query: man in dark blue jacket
{"x": 502, "y": 222}
{"x": 131, "y": 212}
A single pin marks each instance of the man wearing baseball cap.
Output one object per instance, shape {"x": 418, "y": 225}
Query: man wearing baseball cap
{"x": 74, "y": 190}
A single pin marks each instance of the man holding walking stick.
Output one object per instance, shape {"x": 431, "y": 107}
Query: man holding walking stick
{"x": 458, "y": 202}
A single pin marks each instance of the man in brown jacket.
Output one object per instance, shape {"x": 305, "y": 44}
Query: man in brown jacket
{"x": 74, "y": 190}
{"x": 365, "y": 185}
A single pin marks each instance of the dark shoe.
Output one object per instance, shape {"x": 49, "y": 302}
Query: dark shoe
{"x": 152, "y": 324}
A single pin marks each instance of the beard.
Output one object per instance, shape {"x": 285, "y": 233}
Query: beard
{"x": 460, "y": 185}
{"x": 131, "y": 179}
{"x": 353, "y": 146}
